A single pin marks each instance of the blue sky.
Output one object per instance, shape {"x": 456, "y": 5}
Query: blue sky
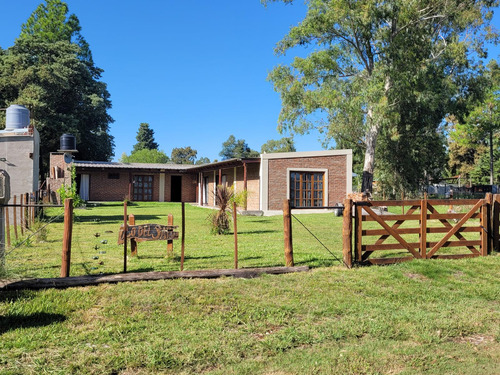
{"x": 195, "y": 70}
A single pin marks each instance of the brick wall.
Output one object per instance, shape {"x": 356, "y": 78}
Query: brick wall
{"x": 102, "y": 188}
{"x": 60, "y": 174}
{"x": 278, "y": 177}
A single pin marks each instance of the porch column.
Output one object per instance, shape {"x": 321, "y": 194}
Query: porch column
{"x": 161, "y": 192}
{"x": 130, "y": 186}
{"x": 245, "y": 181}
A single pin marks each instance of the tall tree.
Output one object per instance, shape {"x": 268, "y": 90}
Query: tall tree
{"x": 366, "y": 53}
{"x": 284, "y": 144}
{"x": 51, "y": 23}
{"x": 145, "y": 138}
{"x": 233, "y": 148}
{"x": 145, "y": 156}
{"x": 60, "y": 86}
{"x": 183, "y": 155}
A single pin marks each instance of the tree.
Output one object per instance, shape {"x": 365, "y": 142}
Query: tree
{"x": 474, "y": 133}
{"x": 368, "y": 53}
{"x": 62, "y": 89}
{"x": 145, "y": 138}
{"x": 51, "y": 23}
{"x": 284, "y": 144}
{"x": 145, "y": 155}
{"x": 233, "y": 148}
{"x": 183, "y": 155}
{"x": 202, "y": 160}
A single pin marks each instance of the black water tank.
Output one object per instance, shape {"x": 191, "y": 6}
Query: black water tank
{"x": 67, "y": 142}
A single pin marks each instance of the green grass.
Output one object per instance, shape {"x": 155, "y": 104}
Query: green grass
{"x": 433, "y": 317}
{"x": 425, "y": 316}
{"x": 260, "y": 242}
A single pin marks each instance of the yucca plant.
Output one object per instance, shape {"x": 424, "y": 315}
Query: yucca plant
{"x": 220, "y": 220}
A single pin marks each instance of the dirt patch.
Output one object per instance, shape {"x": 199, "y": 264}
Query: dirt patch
{"x": 475, "y": 339}
{"x": 416, "y": 276}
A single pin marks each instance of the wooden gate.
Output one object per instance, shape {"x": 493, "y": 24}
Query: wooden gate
{"x": 422, "y": 230}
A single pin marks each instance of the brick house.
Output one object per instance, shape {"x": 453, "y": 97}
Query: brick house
{"x": 309, "y": 179}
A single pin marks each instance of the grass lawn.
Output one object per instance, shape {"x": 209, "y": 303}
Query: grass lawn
{"x": 430, "y": 316}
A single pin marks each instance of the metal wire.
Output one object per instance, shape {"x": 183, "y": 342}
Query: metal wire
{"x": 34, "y": 233}
{"x": 317, "y": 239}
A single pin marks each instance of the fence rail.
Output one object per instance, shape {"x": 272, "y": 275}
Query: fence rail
{"x": 422, "y": 231}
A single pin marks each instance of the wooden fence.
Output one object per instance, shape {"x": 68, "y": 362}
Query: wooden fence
{"x": 421, "y": 231}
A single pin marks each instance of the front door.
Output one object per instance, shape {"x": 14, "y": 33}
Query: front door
{"x": 205, "y": 190}
{"x": 143, "y": 188}
{"x": 176, "y": 184}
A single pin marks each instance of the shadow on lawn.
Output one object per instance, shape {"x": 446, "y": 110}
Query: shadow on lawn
{"x": 118, "y": 219}
{"x": 244, "y": 232}
{"x": 11, "y": 322}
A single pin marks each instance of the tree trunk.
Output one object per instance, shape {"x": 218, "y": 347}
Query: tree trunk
{"x": 369, "y": 166}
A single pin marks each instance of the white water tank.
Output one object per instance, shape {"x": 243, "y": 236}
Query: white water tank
{"x": 17, "y": 117}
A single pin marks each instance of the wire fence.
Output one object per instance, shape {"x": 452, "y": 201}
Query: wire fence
{"x": 95, "y": 249}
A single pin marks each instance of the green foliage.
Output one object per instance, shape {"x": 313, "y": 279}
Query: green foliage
{"x": 183, "y": 155}
{"x": 284, "y": 144}
{"x": 145, "y": 155}
{"x": 472, "y": 137}
{"x": 145, "y": 138}
{"x": 51, "y": 23}
{"x": 239, "y": 149}
{"x": 66, "y": 191}
{"x": 380, "y": 67}
{"x": 202, "y": 160}
{"x": 63, "y": 91}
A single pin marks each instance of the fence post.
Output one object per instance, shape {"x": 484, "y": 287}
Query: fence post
{"x": 496, "y": 222}
{"x": 133, "y": 242}
{"x": 7, "y": 226}
{"x": 491, "y": 239}
{"x": 423, "y": 227}
{"x": 347, "y": 233}
{"x": 287, "y": 230}
{"x": 125, "y": 236}
{"x": 21, "y": 211}
{"x": 170, "y": 243}
{"x": 484, "y": 225}
{"x": 14, "y": 210}
{"x": 68, "y": 230}
{"x": 235, "y": 217}
{"x": 27, "y": 219}
{"x": 183, "y": 238}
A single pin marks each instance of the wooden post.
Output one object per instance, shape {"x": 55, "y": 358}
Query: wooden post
{"x": 68, "y": 231}
{"x": 21, "y": 211}
{"x": 491, "y": 239}
{"x": 347, "y": 233}
{"x": 484, "y": 226}
{"x": 14, "y": 209}
{"x": 359, "y": 232}
{"x": 170, "y": 243}
{"x": 133, "y": 242}
{"x": 423, "y": 227}
{"x": 27, "y": 211}
{"x": 496, "y": 222}
{"x": 183, "y": 227}
{"x": 235, "y": 216}
{"x": 33, "y": 211}
{"x": 7, "y": 226}
{"x": 245, "y": 183}
{"x": 287, "y": 230}
{"x": 124, "y": 236}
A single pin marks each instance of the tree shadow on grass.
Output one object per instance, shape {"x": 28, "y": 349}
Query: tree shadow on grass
{"x": 245, "y": 232}
{"x": 118, "y": 219}
{"x": 12, "y": 322}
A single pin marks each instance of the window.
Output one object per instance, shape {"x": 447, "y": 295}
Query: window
{"x": 113, "y": 176}
{"x": 143, "y": 188}
{"x": 307, "y": 189}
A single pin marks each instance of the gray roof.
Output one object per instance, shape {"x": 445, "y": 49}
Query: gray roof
{"x": 117, "y": 165}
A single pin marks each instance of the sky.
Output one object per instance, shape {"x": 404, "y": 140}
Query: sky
{"x": 195, "y": 70}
